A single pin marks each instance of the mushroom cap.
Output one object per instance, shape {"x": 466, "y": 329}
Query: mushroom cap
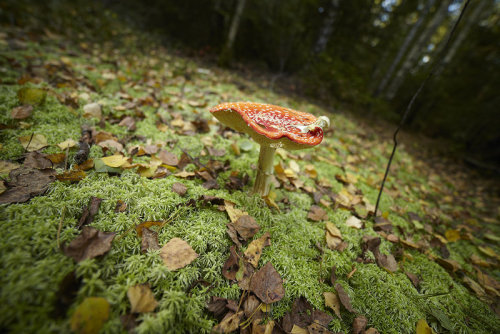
{"x": 270, "y": 125}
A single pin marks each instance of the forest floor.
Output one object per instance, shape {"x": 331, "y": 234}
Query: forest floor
{"x": 95, "y": 245}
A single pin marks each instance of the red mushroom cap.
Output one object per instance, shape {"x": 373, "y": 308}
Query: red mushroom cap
{"x": 270, "y": 124}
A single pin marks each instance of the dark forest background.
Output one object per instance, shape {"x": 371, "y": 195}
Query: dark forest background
{"x": 370, "y": 55}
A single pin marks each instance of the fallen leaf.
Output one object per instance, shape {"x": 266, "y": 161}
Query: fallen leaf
{"x": 354, "y": 222}
{"x": 120, "y": 206}
{"x": 371, "y": 330}
{"x": 231, "y": 266}
{"x": 149, "y": 240}
{"x": 359, "y": 324}
{"x": 216, "y": 152}
{"x": 317, "y": 213}
{"x": 7, "y": 166}
{"x": 89, "y": 244}
{"x": 298, "y": 330}
{"x": 89, "y": 212}
{"x": 68, "y": 143}
{"x": 32, "y": 96}
{"x": 116, "y": 160}
{"x": 21, "y": 112}
{"x": 332, "y": 301}
{"x": 489, "y": 252}
{"x": 230, "y": 323}
{"x": 86, "y": 165}
{"x": 344, "y": 298}
{"x": 72, "y": 176}
{"x": 90, "y": 315}
{"x": 177, "y": 254}
{"x": 333, "y": 236}
{"x": 25, "y": 183}
{"x": 111, "y": 144}
{"x": 92, "y": 110}
{"x": 33, "y": 143}
{"x": 233, "y": 213}
{"x": 386, "y": 261}
{"x": 142, "y": 299}
{"x": 37, "y": 160}
{"x": 452, "y": 235}
{"x": 267, "y": 284}
{"x": 423, "y": 327}
{"x": 474, "y": 286}
{"x": 128, "y": 122}
{"x": 179, "y": 188}
{"x": 254, "y": 250}
{"x": 103, "y": 136}
{"x": 147, "y": 224}
{"x": 184, "y": 174}
{"x": 151, "y": 149}
{"x": 246, "y": 227}
{"x": 218, "y": 306}
{"x": 414, "y": 280}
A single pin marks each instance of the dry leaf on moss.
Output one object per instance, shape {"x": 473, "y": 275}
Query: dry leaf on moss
{"x": 317, "y": 214}
{"x": 254, "y": 250}
{"x": 344, "y": 298}
{"x": 423, "y": 327}
{"x": 72, "y": 176}
{"x": 332, "y": 301}
{"x": 355, "y": 222}
{"x": 149, "y": 240}
{"x": 230, "y": 323}
{"x": 26, "y": 182}
{"x": 233, "y": 213}
{"x": 267, "y": 284}
{"x": 89, "y": 212}
{"x": 246, "y": 227}
{"x": 179, "y": 188}
{"x": 68, "y": 143}
{"x": 90, "y": 315}
{"x": 37, "y": 160}
{"x": 33, "y": 143}
{"x": 333, "y": 236}
{"x": 359, "y": 324}
{"x": 7, "y": 166}
{"x": 21, "y": 112}
{"x": 177, "y": 254}
{"x": 142, "y": 299}
{"x": 89, "y": 244}
{"x": 116, "y": 160}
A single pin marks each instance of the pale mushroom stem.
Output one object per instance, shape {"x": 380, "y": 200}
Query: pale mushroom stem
{"x": 265, "y": 170}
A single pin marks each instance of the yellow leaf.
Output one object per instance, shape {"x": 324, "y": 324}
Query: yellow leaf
{"x": 489, "y": 251}
{"x": 452, "y": 235}
{"x": 90, "y": 315}
{"x": 177, "y": 254}
{"x": 34, "y": 143}
{"x": 233, "y": 213}
{"x": 32, "y": 96}
{"x": 116, "y": 160}
{"x": 423, "y": 327}
{"x": 69, "y": 143}
{"x": 142, "y": 299}
{"x": 332, "y": 301}
{"x": 7, "y": 166}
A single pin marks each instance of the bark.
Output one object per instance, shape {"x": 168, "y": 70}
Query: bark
{"x": 327, "y": 28}
{"x": 418, "y": 46}
{"x": 233, "y": 31}
{"x": 404, "y": 47}
{"x": 475, "y": 16}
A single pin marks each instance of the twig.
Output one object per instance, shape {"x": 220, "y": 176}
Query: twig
{"x": 26, "y": 148}
{"x": 414, "y": 97}
{"x": 60, "y": 227}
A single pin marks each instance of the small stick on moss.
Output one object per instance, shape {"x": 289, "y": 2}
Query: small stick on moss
{"x": 60, "y": 227}
{"x": 31, "y": 138}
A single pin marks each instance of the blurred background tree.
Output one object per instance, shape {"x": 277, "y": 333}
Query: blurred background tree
{"x": 367, "y": 55}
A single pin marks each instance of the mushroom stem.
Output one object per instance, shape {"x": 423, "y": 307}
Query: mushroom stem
{"x": 265, "y": 170}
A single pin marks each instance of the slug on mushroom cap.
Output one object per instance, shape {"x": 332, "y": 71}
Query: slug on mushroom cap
{"x": 272, "y": 127}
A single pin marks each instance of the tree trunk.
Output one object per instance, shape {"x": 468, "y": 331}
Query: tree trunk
{"x": 404, "y": 47}
{"x": 327, "y": 28}
{"x": 226, "y": 54}
{"x": 418, "y": 46}
{"x": 473, "y": 18}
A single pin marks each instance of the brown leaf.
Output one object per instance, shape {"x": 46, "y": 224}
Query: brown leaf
{"x": 89, "y": 244}
{"x": 230, "y": 323}
{"x": 333, "y": 236}
{"x": 217, "y": 306}
{"x": 231, "y": 266}
{"x": 233, "y": 234}
{"x": 216, "y": 152}
{"x": 128, "y": 122}
{"x": 254, "y": 250}
{"x": 267, "y": 284}
{"x": 149, "y": 240}
{"x": 250, "y": 306}
{"x": 414, "y": 280}
{"x": 179, "y": 188}
{"x": 344, "y": 298}
{"x": 120, "y": 206}
{"x": 151, "y": 149}
{"x": 33, "y": 142}
{"x": 246, "y": 227}
{"x": 168, "y": 158}
{"x": 359, "y": 324}
{"x": 142, "y": 299}
{"x": 372, "y": 330}
{"x": 89, "y": 212}
{"x": 21, "y": 112}
{"x": 37, "y": 160}
{"x": 177, "y": 254}
{"x": 386, "y": 261}
{"x": 333, "y": 276}
{"x": 210, "y": 184}
{"x": 321, "y": 318}
{"x": 72, "y": 176}
{"x": 301, "y": 315}
{"x": 147, "y": 224}
{"x": 317, "y": 213}
{"x": 25, "y": 183}
{"x": 244, "y": 274}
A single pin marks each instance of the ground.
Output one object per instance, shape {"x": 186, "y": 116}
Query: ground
{"x": 170, "y": 94}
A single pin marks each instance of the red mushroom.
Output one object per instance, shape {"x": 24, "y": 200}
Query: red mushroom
{"x": 272, "y": 127}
